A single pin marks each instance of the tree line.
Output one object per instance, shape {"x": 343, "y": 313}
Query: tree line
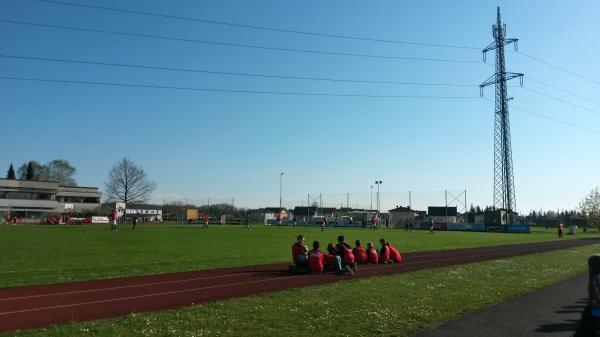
{"x": 58, "y": 170}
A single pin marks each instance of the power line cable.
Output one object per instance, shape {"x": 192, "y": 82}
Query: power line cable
{"x": 529, "y": 78}
{"x": 561, "y": 100}
{"x": 255, "y": 27}
{"x": 565, "y": 70}
{"x": 287, "y": 77}
{"x": 239, "y": 45}
{"x": 290, "y": 93}
{"x": 577, "y": 126}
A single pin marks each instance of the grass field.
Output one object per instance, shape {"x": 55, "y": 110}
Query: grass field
{"x": 381, "y": 306}
{"x": 48, "y": 254}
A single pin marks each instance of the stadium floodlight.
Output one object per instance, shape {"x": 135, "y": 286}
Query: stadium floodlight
{"x": 280, "y": 189}
{"x": 378, "y": 183}
{"x": 370, "y": 209}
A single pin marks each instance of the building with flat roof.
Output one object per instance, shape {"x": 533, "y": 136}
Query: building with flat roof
{"x": 31, "y": 200}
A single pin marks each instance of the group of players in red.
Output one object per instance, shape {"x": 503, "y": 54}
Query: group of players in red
{"x": 341, "y": 257}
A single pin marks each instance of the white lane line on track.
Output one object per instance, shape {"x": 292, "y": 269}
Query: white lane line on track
{"x": 147, "y": 295}
{"x": 212, "y": 287}
{"x": 441, "y": 253}
{"x": 121, "y": 287}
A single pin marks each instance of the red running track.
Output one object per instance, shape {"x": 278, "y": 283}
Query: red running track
{"x": 37, "y": 306}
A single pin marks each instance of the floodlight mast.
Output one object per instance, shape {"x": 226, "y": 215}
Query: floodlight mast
{"x": 504, "y": 185}
{"x": 281, "y": 189}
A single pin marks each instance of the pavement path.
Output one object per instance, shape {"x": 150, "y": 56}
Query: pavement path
{"x": 553, "y": 311}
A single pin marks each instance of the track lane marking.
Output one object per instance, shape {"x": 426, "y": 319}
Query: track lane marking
{"x": 440, "y": 253}
{"x": 144, "y": 296}
{"x": 244, "y": 283}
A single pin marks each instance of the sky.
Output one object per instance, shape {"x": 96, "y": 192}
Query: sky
{"x": 227, "y": 145}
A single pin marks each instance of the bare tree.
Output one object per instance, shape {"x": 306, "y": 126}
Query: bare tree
{"x": 127, "y": 182}
{"x": 590, "y": 207}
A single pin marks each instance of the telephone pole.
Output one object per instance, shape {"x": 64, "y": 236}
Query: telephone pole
{"x": 504, "y": 185}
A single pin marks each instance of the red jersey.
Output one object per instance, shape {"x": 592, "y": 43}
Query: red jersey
{"x": 360, "y": 255}
{"x": 384, "y": 254}
{"x": 373, "y": 257}
{"x": 395, "y": 254}
{"x": 330, "y": 260}
{"x": 205, "y": 217}
{"x": 348, "y": 257}
{"x": 113, "y": 216}
{"x": 316, "y": 261}
{"x": 296, "y": 251}
{"x": 345, "y": 252}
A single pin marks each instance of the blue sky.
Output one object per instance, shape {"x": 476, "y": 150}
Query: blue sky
{"x": 197, "y": 145}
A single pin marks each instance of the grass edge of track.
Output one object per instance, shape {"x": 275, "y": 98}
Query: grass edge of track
{"x": 396, "y": 305}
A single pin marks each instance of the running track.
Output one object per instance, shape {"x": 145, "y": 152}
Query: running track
{"x": 38, "y": 306}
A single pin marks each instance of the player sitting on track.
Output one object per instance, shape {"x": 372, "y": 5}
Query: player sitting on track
{"x": 316, "y": 259}
{"x": 299, "y": 253}
{"x": 359, "y": 253}
{"x": 373, "y": 257}
{"x": 395, "y": 255}
{"x": 331, "y": 259}
{"x": 344, "y": 251}
{"x": 384, "y": 252}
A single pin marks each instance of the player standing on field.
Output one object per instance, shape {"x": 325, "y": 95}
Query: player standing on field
{"x": 135, "y": 220}
{"x": 205, "y": 220}
{"x": 431, "y": 226}
{"x": 112, "y": 218}
{"x": 561, "y": 229}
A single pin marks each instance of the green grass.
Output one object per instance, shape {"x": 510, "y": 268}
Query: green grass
{"x": 48, "y": 254}
{"x": 380, "y": 306}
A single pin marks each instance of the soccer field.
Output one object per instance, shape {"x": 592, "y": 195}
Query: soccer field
{"x": 33, "y": 254}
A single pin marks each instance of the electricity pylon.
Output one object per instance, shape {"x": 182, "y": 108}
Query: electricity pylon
{"x": 504, "y": 185}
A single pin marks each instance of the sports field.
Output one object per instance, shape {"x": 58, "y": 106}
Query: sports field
{"x": 49, "y": 254}
{"x": 396, "y": 305}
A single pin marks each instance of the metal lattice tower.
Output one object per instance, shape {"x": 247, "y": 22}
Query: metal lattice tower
{"x": 504, "y": 185}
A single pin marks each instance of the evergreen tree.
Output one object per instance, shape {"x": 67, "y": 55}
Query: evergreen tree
{"x": 30, "y": 173}
{"x": 11, "y": 173}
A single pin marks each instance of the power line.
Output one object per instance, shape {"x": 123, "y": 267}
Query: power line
{"x": 565, "y": 70}
{"x": 562, "y": 100}
{"x": 239, "y": 45}
{"x": 562, "y": 89}
{"x": 556, "y": 120}
{"x": 289, "y": 93}
{"x": 255, "y": 27}
{"x": 577, "y": 126}
{"x": 203, "y": 71}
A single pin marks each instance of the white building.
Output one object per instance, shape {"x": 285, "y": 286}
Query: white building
{"x": 32, "y": 200}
